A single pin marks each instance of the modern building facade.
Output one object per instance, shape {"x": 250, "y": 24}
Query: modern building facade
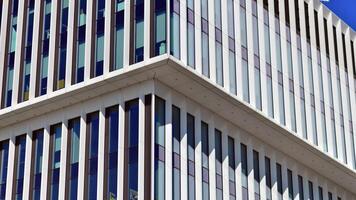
{"x": 176, "y": 99}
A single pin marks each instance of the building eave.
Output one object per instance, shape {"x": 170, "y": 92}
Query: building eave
{"x": 174, "y": 74}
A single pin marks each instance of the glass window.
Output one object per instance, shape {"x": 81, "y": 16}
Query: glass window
{"x": 131, "y": 150}
{"x": 92, "y": 154}
{"x": 43, "y": 66}
{"x": 25, "y": 68}
{"x": 37, "y": 152}
{"x": 119, "y": 35}
{"x": 4, "y": 158}
{"x": 59, "y": 71}
{"x": 320, "y": 193}
{"x": 160, "y": 135}
{"x": 175, "y": 28}
{"x": 111, "y": 149}
{"x": 218, "y": 164}
{"x": 256, "y": 174}
{"x": 191, "y": 156}
{"x": 232, "y": 167}
{"x": 300, "y": 187}
{"x": 311, "y": 191}
{"x": 55, "y": 160}
{"x": 20, "y": 152}
{"x": 244, "y": 172}
{"x": 245, "y": 81}
{"x": 100, "y": 27}
{"x": 191, "y": 37}
{"x": 257, "y": 83}
{"x": 279, "y": 180}
{"x": 205, "y": 159}
{"x": 205, "y": 51}
{"x": 219, "y": 63}
{"x": 73, "y": 158}
{"x": 176, "y": 131}
{"x": 9, "y": 69}
{"x": 81, "y": 28}
{"x": 160, "y": 27}
{"x": 138, "y": 31}
{"x": 290, "y": 184}
{"x": 268, "y": 178}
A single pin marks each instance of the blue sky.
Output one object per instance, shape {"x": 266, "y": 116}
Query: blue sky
{"x": 345, "y": 9}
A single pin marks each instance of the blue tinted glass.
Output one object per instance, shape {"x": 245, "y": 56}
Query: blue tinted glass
{"x": 20, "y": 165}
{"x": 132, "y": 122}
{"x": 112, "y": 123}
{"x": 74, "y": 134}
{"x": 4, "y": 151}
{"x": 93, "y": 141}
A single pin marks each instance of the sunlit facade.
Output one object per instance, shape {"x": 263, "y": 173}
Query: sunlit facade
{"x": 176, "y": 99}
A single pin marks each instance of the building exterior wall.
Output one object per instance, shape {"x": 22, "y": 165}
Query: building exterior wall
{"x": 296, "y": 67}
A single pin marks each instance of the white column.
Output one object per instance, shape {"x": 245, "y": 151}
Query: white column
{"x": 45, "y": 165}
{"x": 262, "y": 170}
{"x": 63, "y": 160}
{"x": 10, "y": 169}
{"x": 169, "y": 148}
{"x": 147, "y": 28}
{"x": 225, "y": 164}
{"x": 27, "y": 170}
{"x": 225, "y": 46}
{"x": 296, "y": 192}
{"x": 212, "y": 171}
{"x": 274, "y": 70}
{"x": 296, "y": 67}
{"x": 90, "y": 39}
{"x": 262, "y": 55}
{"x": 334, "y": 83}
{"x": 305, "y": 72}
{"x": 198, "y": 158}
{"x": 73, "y": 12}
{"x": 344, "y": 94}
{"x": 183, "y": 31}
{"x": 211, "y": 29}
{"x": 285, "y": 188}
{"x": 110, "y": 8}
{"x": 285, "y": 69}
{"x": 141, "y": 147}
{"x": 184, "y": 153}
{"x": 197, "y": 25}
{"x": 274, "y": 189}
{"x": 121, "y": 153}
{"x": 315, "y": 75}
{"x": 237, "y": 31}
{"x": 327, "y": 100}
{"x": 36, "y": 46}
{"x": 250, "y": 172}
{"x": 250, "y": 53}
{"x": 82, "y": 152}
{"x": 101, "y": 154}
{"x": 351, "y": 85}
{"x": 238, "y": 164}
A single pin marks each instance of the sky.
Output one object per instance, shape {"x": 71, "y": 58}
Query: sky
{"x": 345, "y": 9}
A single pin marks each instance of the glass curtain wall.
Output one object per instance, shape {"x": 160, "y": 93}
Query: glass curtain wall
{"x": 73, "y": 157}
{"x": 60, "y": 69}
{"x": 10, "y": 59}
{"x": 4, "y": 159}
{"x": 42, "y": 69}
{"x": 25, "y": 69}
{"x": 36, "y": 168}
{"x": 54, "y": 161}
{"x": 160, "y": 135}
